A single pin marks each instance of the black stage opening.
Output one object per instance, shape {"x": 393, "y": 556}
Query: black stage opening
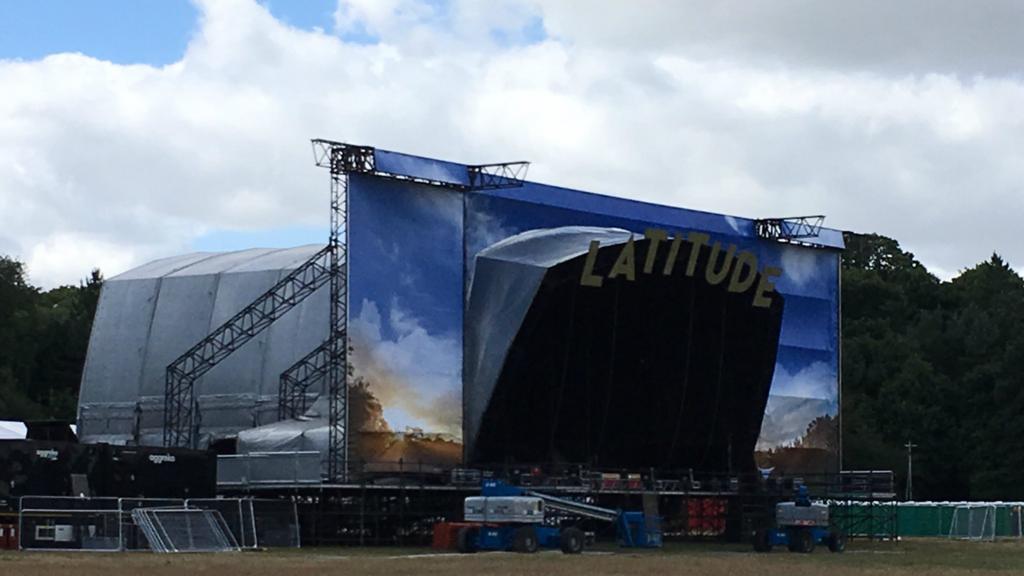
{"x": 662, "y": 371}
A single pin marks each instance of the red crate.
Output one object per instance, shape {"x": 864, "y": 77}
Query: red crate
{"x": 446, "y": 534}
{"x": 706, "y": 516}
{"x": 9, "y": 536}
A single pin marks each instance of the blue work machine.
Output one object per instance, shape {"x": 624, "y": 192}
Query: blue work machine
{"x": 506, "y": 517}
{"x": 800, "y": 525}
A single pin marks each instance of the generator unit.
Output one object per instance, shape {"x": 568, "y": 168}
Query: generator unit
{"x": 56, "y": 468}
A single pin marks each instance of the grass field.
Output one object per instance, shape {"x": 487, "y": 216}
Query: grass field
{"x": 938, "y": 557}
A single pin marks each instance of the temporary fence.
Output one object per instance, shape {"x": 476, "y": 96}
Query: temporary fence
{"x": 108, "y": 524}
{"x": 184, "y": 530}
{"x": 977, "y": 520}
{"x": 965, "y": 520}
{"x": 69, "y": 523}
{"x": 985, "y": 521}
{"x": 257, "y": 523}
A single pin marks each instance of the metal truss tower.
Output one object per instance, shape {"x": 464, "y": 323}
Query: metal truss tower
{"x": 300, "y": 377}
{"x": 340, "y": 159}
{"x": 181, "y": 414}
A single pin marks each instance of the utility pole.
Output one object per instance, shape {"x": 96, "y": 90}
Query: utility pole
{"x": 910, "y": 470}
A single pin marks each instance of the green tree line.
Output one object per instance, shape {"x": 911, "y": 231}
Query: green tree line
{"x": 43, "y": 340}
{"x": 940, "y": 364}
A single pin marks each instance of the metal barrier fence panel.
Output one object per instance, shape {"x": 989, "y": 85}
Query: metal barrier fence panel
{"x": 98, "y": 530}
{"x": 69, "y": 523}
{"x": 974, "y": 522}
{"x": 953, "y": 519}
{"x": 257, "y": 523}
{"x": 132, "y": 536}
{"x": 247, "y": 523}
{"x": 184, "y": 530}
{"x": 277, "y": 523}
{"x": 108, "y": 524}
{"x": 237, "y": 514}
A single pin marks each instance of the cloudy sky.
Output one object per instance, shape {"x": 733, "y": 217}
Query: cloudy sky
{"x": 133, "y": 130}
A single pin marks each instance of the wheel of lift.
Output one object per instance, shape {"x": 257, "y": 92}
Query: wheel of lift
{"x": 525, "y": 540}
{"x": 793, "y": 539}
{"x": 571, "y": 540}
{"x": 465, "y": 540}
{"x": 806, "y": 541}
{"x": 762, "y": 540}
{"x": 837, "y": 541}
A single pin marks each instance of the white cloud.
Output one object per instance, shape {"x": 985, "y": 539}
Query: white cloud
{"x": 415, "y": 375}
{"x": 382, "y": 17}
{"x": 894, "y": 37}
{"x": 799, "y": 265}
{"x": 905, "y": 120}
{"x": 816, "y": 380}
{"x": 62, "y": 252}
{"x": 8, "y": 246}
{"x": 786, "y": 419}
{"x": 485, "y": 229}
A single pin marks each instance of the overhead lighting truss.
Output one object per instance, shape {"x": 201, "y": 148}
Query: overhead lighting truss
{"x": 352, "y": 159}
{"x": 796, "y": 230}
{"x": 500, "y": 175}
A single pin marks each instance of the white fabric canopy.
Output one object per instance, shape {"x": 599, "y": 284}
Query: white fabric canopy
{"x": 11, "y": 430}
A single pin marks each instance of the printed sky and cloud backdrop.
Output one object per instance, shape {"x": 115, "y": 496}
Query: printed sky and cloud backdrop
{"x": 414, "y": 256}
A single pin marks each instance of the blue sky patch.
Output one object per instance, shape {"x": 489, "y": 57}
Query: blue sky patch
{"x": 120, "y": 31}
{"x": 306, "y": 14}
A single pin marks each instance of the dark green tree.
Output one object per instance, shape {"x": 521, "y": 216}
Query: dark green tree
{"x": 936, "y": 363}
{"x": 43, "y": 340}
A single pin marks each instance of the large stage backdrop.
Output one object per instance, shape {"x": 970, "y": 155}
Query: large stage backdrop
{"x": 538, "y": 324}
{"x": 529, "y": 325}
